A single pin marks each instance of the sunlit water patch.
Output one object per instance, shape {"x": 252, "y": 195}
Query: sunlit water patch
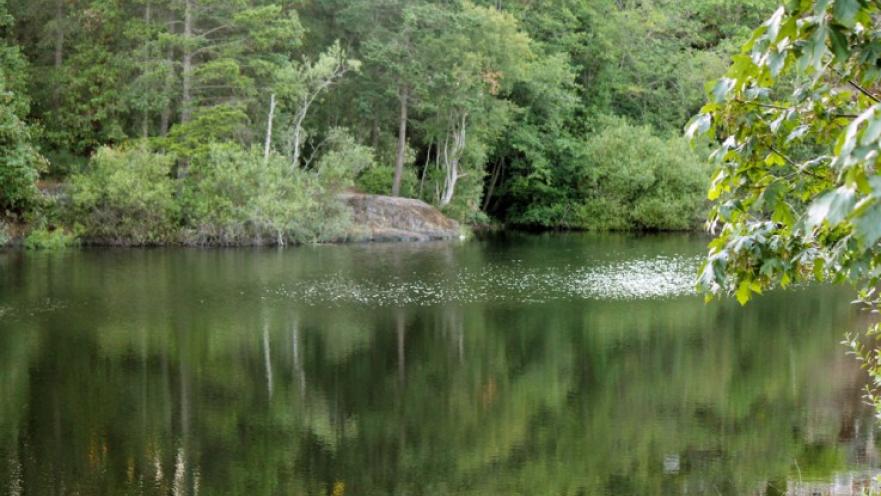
{"x": 659, "y": 277}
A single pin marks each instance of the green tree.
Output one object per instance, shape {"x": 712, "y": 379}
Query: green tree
{"x": 797, "y": 192}
{"x": 20, "y": 162}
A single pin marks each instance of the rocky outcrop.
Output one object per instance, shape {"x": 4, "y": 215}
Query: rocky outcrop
{"x": 386, "y": 218}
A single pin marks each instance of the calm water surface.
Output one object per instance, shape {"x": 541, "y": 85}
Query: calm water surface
{"x": 533, "y": 365}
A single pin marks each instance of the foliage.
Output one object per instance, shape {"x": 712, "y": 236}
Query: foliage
{"x": 126, "y": 196}
{"x": 377, "y": 180}
{"x": 20, "y": 162}
{"x": 797, "y": 191}
{"x": 233, "y": 196}
{"x": 624, "y": 178}
{"x": 490, "y": 104}
{"x": 42, "y": 238}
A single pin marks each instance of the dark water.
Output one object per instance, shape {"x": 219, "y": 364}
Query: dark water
{"x": 558, "y": 365}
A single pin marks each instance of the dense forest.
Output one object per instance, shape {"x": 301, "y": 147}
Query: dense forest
{"x": 230, "y": 121}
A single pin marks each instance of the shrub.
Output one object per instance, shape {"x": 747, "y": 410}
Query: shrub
{"x": 632, "y": 179}
{"x": 43, "y": 238}
{"x": 233, "y": 196}
{"x": 126, "y": 196}
{"x": 377, "y": 180}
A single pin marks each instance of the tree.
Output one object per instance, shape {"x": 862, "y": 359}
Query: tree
{"x": 475, "y": 55}
{"x": 301, "y": 84}
{"x": 797, "y": 191}
{"x": 394, "y": 62}
{"x": 20, "y": 162}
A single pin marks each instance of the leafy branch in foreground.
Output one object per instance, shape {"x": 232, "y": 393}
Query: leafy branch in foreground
{"x": 797, "y": 193}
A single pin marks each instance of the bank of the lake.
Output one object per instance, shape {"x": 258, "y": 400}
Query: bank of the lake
{"x": 516, "y": 364}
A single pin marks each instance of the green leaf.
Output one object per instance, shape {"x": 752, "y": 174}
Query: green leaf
{"x": 773, "y": 24}
{"x": 819, "y": 267}
{"x": 797, "y": 133}
{"x": 743, "y": 292}
{"x": 845, "y": 11}
{"x": 698, "y": 125}
{"x": 867, "y": 227}
{"x": 833, "y": 207}
{"x": 775, "y": 62}
{"x": 721, "y": 89}
{"x": 839, "y": 44}
{"x": 872, "y": 132}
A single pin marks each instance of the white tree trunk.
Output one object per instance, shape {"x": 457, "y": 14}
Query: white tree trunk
{"x": 452, "y": 155}
{"x": 298, "y": 132}
{"x": 267, "y": 144}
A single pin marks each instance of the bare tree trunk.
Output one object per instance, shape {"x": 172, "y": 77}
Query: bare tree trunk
{"x": 298, "y": 134}
{"x": 267, "y": 144}
{"x": 374, "y": 135}
{"x": 59, "y": 33}
{"x": 148, "y": 12}
{"x": 187, "y": 64}
{"x": 165, "y": 117}
{"x": 402, "y": 142}
{"x": 452, "y": 156}
{"x": 59, "y": 50}
{"x": 425, "y": 169}
{"x": 497, "y": 171}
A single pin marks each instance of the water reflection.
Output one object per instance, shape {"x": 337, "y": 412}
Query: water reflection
{"x": 186, "y": 372}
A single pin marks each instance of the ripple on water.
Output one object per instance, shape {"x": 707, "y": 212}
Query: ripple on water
{"x": 659, "y": 277}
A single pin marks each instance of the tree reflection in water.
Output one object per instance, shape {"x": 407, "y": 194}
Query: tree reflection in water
{"x": 184, "y": 372}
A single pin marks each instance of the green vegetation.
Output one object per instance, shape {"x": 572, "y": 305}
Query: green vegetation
{"x": 42, "y": 238}
{"x": 797, "y": 190}
{"x": 529, "y": 113}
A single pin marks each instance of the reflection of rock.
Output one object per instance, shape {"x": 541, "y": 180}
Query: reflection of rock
{"x": 386, "y": 218}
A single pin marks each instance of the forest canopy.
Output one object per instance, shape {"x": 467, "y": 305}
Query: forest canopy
{"x": 249, "y": 118}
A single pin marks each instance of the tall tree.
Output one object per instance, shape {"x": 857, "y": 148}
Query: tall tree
{"x": 20, "y": 163}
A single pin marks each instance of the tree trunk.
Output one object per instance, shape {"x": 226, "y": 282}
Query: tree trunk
{"x": 59, "y": 50}
{"x": 497, "y": 171}
{"x": 59, "y": 33}
{"x": 425, "y": 169}
{"x": 267, "y": 144}
{"x": 187, "y": 64}
{"x": 298, "y": 133}
{"x": 145, "y": 123}
{"x": 452, "y": 156}
{"x": 165, "y": 117}
{"x": 402, "y": 142}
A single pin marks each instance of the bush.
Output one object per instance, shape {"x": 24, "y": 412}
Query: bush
{"x": 232, "y": 196}
{"x": 377, "y": 180}
{"x": 126, "y": 196}
{"x": 633, "y": 179}
{"x": 43, "y": 238}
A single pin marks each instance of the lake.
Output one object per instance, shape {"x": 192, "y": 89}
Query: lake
{"x": 521, "y": 364}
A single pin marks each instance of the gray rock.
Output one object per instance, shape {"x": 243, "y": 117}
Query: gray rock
{"x": 386, "y": 218}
